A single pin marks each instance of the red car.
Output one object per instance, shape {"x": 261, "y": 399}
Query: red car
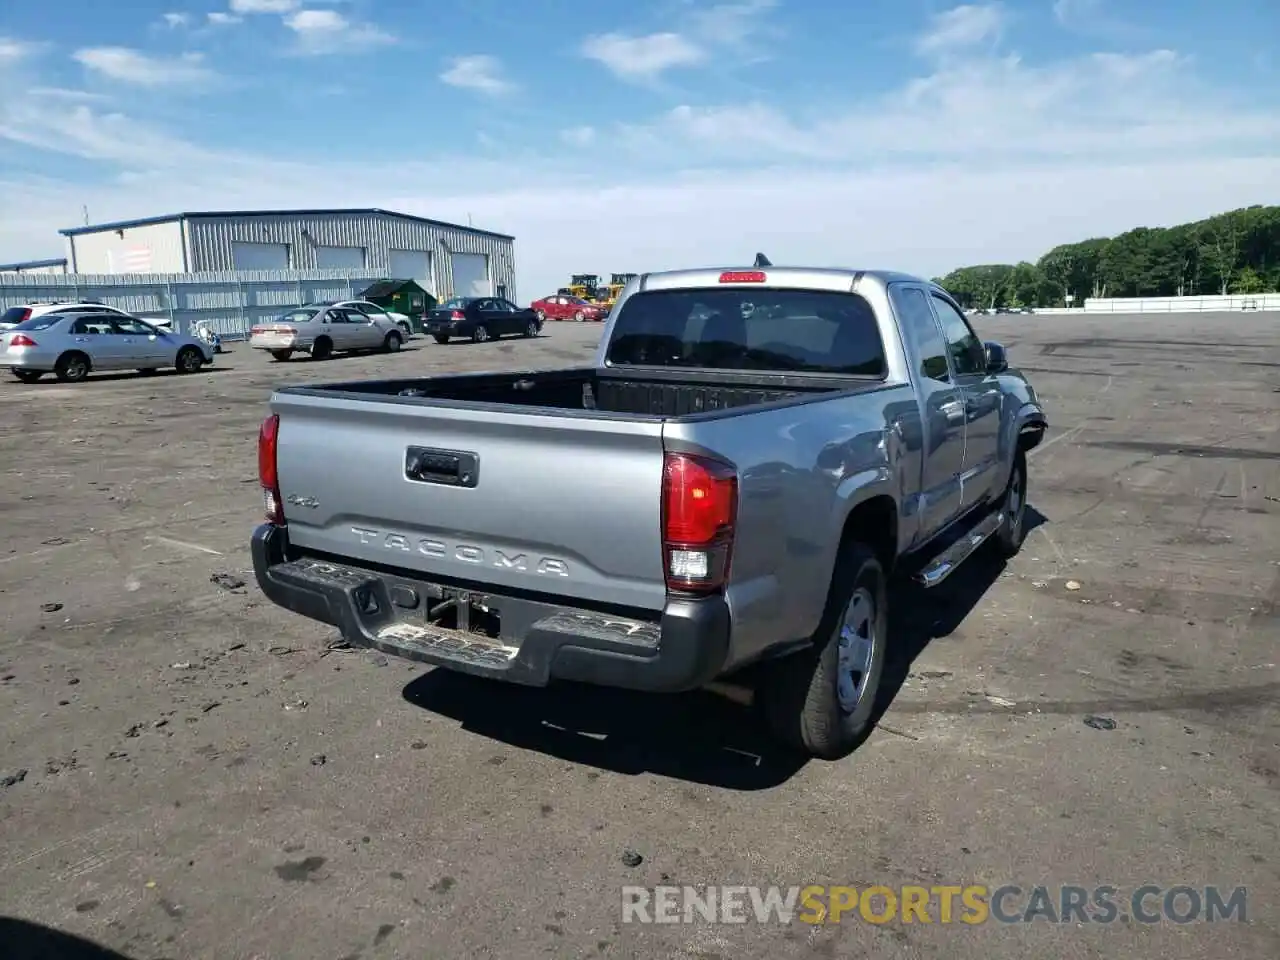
{"x": 560, "y": 307}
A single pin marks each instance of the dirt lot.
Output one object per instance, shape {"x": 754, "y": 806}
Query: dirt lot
{"x": 189, "y": 772}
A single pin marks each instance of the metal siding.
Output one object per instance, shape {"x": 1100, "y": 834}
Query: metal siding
{"x": 108, "y": 252}
{"x": 211, "y": 240}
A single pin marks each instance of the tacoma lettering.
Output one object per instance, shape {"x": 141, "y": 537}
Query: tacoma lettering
{"x": 463, "y": 552}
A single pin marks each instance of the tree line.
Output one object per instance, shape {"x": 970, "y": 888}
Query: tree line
{"x": 1237, "y": 252}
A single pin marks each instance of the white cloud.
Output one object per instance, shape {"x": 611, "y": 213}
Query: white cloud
{"x": 963, "y": 26}
{"x": 134, "y": 66}
{"x": 737, "y": 25}
{"x": 733, "y": 24}
{"x": 66, "y": 94}
{"x": 479, "y": 72}
{"x": 642, "y": 58}
{"x": 11, "y": 51}
{"x": 219, "y": 19}
{"x": 1067, "y": 11}
{"x": 263, "y": 6}
{"x": 176, "y": 20}
{"x": 327, "y": 31}
{"x": 579, "y": 136}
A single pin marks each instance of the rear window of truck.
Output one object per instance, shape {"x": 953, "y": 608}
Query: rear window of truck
{"x": 810, "y": 331}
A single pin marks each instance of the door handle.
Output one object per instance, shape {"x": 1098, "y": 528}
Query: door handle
{"x": 953, "y": 410}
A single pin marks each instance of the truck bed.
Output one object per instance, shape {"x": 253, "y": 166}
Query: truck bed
{"x": 652, "y": 394}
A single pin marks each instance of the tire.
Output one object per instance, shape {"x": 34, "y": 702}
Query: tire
{"x": 392, "y": 343}
{"x": 531, "y": 328}
{"x": 1012, "y": 531}
{"x": 28, "y": 376}
{"x": 190, "y": 360}
{"x": 579, "y": 316}
{"x": 72, "y": 367}
{"x": 322, "y": 349}
{"x": 441, "y": 337}
{"x": 480, "y": 334}
{"x": 808, "y": 700}
{"x": 282, "y": 355}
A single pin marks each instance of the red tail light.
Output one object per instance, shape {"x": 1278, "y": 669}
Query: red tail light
{"x": 268, "y": 441}
{"x": 699, "y": 510}
{"x": 21, "y": 340}
{"x": 457, "y": 315}
{"x": 743, "y": 276}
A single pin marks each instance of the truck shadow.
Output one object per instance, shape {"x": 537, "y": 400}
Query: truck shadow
{"x": 698, "y": 737}
{"x": 918, "y": 616}
{"x": 34, "y": 941}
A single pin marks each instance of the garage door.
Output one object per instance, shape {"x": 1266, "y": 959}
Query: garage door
{"x": 340, "y": 258}
{"x": 259, "y": 256}
{"x": 470, "y": 275}
{"x": 411, "y": 265}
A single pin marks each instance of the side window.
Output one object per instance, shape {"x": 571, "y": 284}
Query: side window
{"x": 917, "y": 320}
{"x": 130, "y": 327}
{"x": 82, "y": 327}
{"x": 967, "y": 352}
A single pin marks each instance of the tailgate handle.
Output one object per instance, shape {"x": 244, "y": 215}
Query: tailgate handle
{"x": 454, "y": 468}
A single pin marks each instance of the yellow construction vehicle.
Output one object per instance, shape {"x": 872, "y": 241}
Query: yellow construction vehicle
{"x": 585, "y": 286}
{"x": 616, "y": 285}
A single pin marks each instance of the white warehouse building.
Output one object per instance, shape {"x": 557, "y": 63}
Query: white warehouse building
{"x": 444, "y": 258}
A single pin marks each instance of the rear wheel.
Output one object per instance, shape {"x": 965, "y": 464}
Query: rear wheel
{"x": 28, "y": 376}
{"x": 72, "y": 367}
{"x": 441, "y": 337}
{"x": 189, "y": 360}
{"x": 322, "y": 349}
{"x": 282, "y": 355}
{"x": 820, "y": 701}
{"x": 480, "y": 334}
{"x": 531, "y": 328}
{"x": 579, "y": 316}
{"x": 392, "y": 343}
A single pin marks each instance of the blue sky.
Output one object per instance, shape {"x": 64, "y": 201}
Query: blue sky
{"x": 623, "y": 136}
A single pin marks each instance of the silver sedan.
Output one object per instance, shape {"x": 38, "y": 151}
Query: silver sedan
{"x": 71, "y": 345}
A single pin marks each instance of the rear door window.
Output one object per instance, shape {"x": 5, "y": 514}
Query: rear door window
{"x": 779, "y": 330}
{"x": 40, "y": 323}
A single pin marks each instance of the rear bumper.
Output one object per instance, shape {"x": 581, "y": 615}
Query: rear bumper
{"x": 27, "y": 360}
{"x": 538, "y": 642}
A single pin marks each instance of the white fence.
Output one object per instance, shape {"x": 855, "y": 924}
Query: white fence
{"x": 1251, "y": 301}
{"x": 233, "y": 302}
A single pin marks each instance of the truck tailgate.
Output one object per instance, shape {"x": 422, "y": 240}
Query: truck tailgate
{"x": 558, "y": 505}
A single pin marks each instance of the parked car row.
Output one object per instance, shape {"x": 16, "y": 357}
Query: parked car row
{"x": 71, "y": 340}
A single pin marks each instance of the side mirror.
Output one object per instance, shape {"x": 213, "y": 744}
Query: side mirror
{"x": 997, "y": 358}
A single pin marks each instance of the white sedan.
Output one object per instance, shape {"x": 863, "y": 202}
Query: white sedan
{"x": 324, "y": 329}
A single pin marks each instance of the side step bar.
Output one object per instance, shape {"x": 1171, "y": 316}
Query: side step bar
{"x": 945, "y": 563}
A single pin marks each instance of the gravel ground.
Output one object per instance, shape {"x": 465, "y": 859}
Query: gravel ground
{"x": 188, "y": 771}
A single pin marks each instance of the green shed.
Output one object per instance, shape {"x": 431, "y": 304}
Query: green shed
{"x": 401, "y": 296}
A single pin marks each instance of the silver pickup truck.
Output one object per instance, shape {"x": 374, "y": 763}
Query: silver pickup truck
{"x": 730, "y": 484}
